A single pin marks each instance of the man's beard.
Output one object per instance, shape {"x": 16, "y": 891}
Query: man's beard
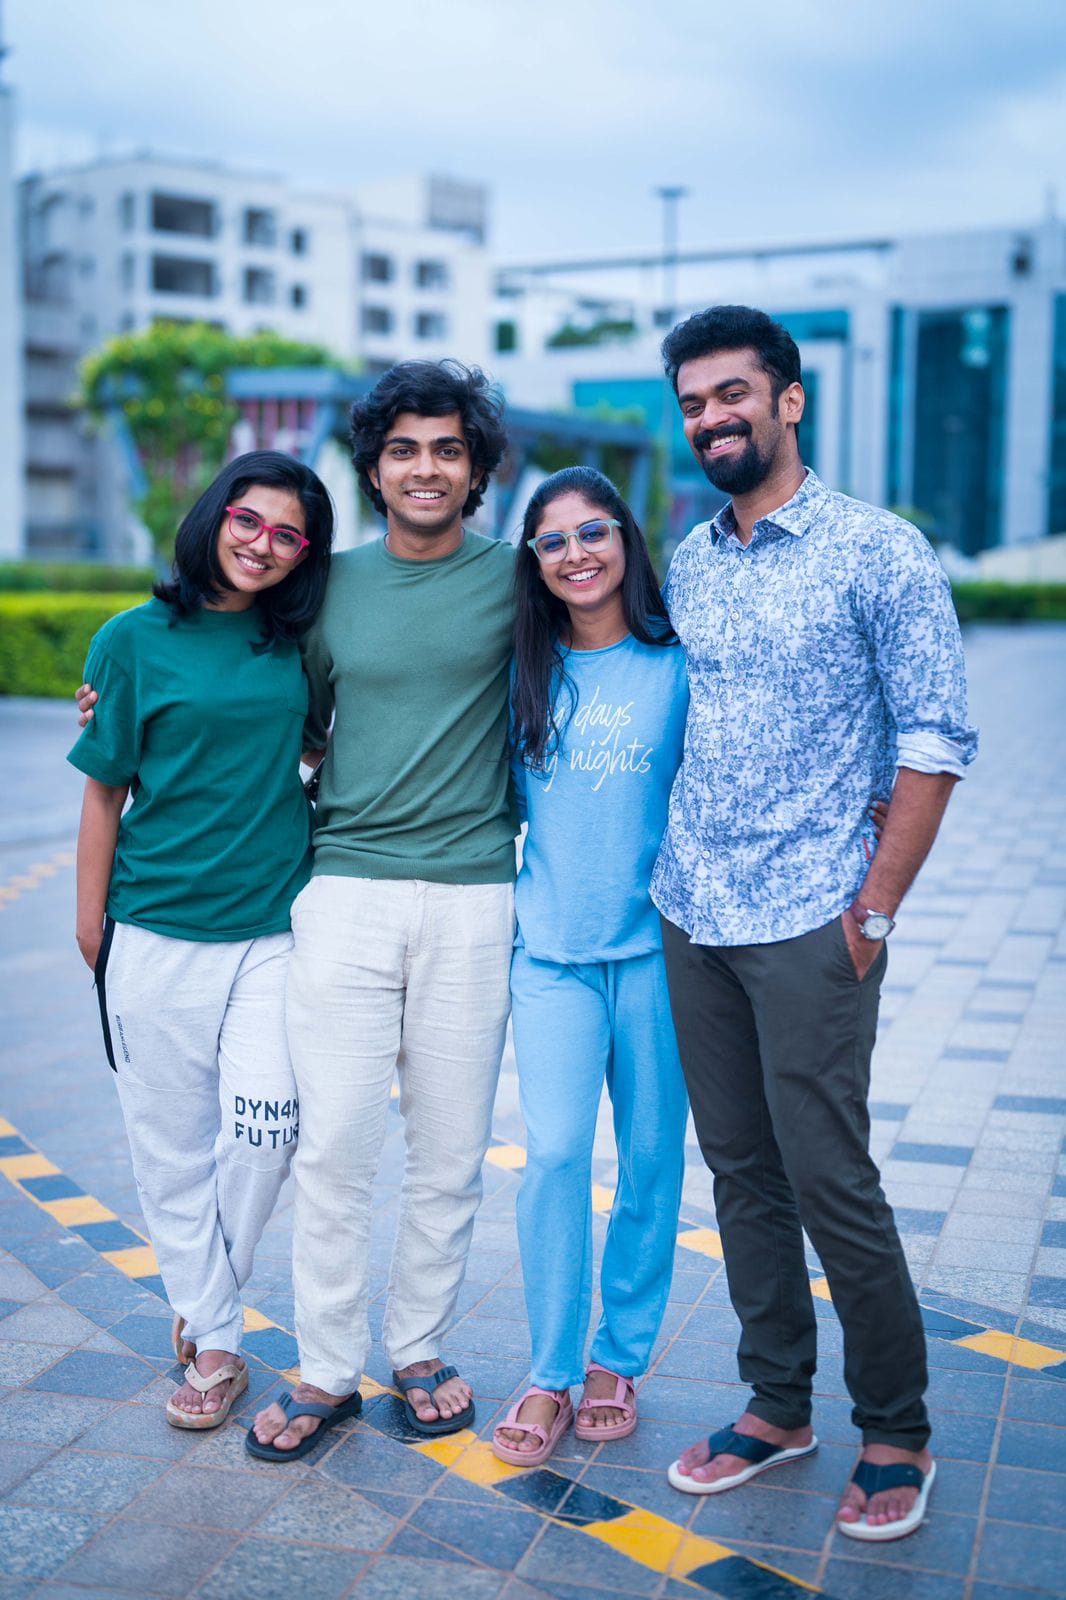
{"x": 739, "y": 472}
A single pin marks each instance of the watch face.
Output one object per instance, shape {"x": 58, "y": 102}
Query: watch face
{"x": 877, "y": 926}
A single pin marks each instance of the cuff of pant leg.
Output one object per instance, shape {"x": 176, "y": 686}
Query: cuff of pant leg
{"x": 777, "y": 1417}
{"x": 422, "y": 1351}
{"x": 225, "y": 1337}
{"x": 329, "y": 1382}
{"x": 915, "y": 1439}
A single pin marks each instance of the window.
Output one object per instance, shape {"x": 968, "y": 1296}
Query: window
{"x": 431, "y": 274}
{"x": 127, "y": 211}
{"x": 86, "y": 267}
{"x": 258, "y": 288}
{"x": 298, "y": 296}
{"x": 128, "y": 322}
{"x": 177, "y": 213}
{"x": 1057, "y": 495}
{"x": 431, "y": 325}
{"x": 260, "y": 227}
{"x": 299, "y": 241}
{"x": 86, "y": 205}
{"x": 377, "y": 269}
{"x": 377, "y": 319}
{"x": 183, "y": 275}
{"x": 128, "y": 270}
{"x": 506, "y": 336}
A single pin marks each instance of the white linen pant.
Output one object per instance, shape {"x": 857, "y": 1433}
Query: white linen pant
{"x": 391, "y": 975}
{"x": 196, "y": 1033}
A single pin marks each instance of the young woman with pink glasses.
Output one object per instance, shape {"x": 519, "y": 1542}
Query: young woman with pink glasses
{"x": 184, "y": 894}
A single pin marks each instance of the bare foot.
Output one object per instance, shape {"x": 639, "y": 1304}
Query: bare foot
{"x": 599, "y": 1386}
{"x": 434, "y": 1403}
{"x": 695, "y": 1462}
{"x": 540, "y": 1408}
{"x": 272, "y": 1426}
{"x": 889, "y": 1505}
{"x": 186, "y": 1398}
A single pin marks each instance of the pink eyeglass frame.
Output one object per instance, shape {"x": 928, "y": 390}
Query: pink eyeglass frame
{"x": 264, "y": 527}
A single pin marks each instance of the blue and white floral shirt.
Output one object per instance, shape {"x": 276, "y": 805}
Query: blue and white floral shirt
{"x": 821, "y": 656}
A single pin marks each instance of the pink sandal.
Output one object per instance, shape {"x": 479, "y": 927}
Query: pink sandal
{"x": 505, "y": 1451}
{"x": 617, "y": 1430}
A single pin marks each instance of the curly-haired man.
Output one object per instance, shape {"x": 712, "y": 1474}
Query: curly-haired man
{"x": 403, "y": 936}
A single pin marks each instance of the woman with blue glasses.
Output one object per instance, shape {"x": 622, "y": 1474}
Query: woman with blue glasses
{"x": 599, "y": 701}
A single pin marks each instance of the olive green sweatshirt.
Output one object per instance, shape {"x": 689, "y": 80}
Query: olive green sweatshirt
{"x": 414, "y": 659}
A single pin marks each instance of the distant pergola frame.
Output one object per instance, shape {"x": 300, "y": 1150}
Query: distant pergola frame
{"x": 310, "y": 405}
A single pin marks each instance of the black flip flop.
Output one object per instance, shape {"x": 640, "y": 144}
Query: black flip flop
{"x": 430, "y": 1381}
{"x": 304, "y": 1408}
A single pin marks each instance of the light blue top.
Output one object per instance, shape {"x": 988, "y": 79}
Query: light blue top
{"x": 821, "y": 656}
{"x": 597, "y": 813}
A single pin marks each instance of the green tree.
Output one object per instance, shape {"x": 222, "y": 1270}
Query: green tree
{"x": 169, "y": 383}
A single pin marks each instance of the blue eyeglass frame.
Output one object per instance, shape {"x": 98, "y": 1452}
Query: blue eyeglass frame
{"x": 610, "y": 523}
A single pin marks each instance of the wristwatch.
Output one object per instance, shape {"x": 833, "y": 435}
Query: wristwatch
{"x": 873, "y": 925}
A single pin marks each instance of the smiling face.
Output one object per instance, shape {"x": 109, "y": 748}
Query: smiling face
{"x": 738, "y": 432}
{"x": 424, "y": 475}
{"x": 588, "y": 582}
{"x": 251, "y": 567}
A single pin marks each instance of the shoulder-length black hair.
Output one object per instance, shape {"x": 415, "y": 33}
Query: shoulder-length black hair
{"x": 430, "y": 389}
{"x": 541, "y": 619}
{"x": 288, "y": 609}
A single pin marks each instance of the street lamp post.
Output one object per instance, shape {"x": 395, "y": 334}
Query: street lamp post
{"x": 670, "y": 195}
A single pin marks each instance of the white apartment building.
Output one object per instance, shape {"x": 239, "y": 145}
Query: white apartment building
{"x": 935, "y": 365}
{"x": 110, "y": 247}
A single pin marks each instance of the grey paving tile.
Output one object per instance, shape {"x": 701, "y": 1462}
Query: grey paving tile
{"x": 763, "y": 1515}
{"x": 76, "y": 1480}
{"x": 36, "y": 1543}
{"x": 17, "y": 1461}
{"x": 21, "y": 1362}
{"x": 401, "y": 1578}
{"x": 270, "y": 1570}
{"x": 495, "y": 1536}
{"x": 1037, "y": 1399}
{"x": 16, "y": 1283}
{"x": 327, "y": 1513}
{"x": 1035, "y": 1557}
{"x": 1022, "y": 1495}
{"x": 204, "y": 1497}
{"x": 135, "y": 1430}
{"x": 855, "y": 1580}
{"x": 566, "y": 1554}
{"x": 1030, "y": 1444}
{"x": 53, "y": 1419}
{"x": 47, "y": 1320}
{"x": 106, "y": 1377}
{"x": 141, "y": 1558}
{"x": 364, "y": 1459}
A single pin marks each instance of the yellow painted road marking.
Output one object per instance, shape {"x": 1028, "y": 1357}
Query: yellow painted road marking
{"x": 254, "y": 1321}
{"x": 32, "y": 1166}
{"x": 77, "y": 1210}
{"x": 509, "y": 1156}
{"x": 1005, "y": 1347}
{"x": 137, "y": 1262}
{"x": 34, "y": 876}
{"x": 706, "y": 1241}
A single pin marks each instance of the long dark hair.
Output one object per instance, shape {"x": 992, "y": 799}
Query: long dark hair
{"x": 288, "y": 609}
{"x": 541, "y": 618}
{"x": 430, "y": 389}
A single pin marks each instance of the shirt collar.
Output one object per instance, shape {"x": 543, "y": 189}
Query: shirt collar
{"x": 794, "y": 517}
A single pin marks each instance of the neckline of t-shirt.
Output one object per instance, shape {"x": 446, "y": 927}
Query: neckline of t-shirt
{"x": 601, "y": 650}
{"x": 435, "y": 561}
{"x": 212, "y": 618}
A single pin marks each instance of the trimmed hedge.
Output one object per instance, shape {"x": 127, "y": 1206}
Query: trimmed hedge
{"x": 73, "y": 577}
{"x": 44, "y": 638}
{"x": 1010, "y": 602}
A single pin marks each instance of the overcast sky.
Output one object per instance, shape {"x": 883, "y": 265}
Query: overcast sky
{"x": 786, "y": 119}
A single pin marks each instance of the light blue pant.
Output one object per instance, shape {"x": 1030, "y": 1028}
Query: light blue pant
{"x": 574, "y": 1026}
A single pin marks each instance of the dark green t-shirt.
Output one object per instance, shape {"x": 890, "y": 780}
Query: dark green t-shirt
{"x": 415, "y": 658}
{"x": 216, "y": 842}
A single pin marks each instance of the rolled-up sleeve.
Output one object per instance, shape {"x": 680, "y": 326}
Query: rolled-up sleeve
{"x": 317, "y": 667}
{"x": 910, "y": 620}
{"x": 109, "y": 747}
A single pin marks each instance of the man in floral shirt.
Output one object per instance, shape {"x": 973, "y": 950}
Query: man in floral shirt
{"x": 825, "y": 666}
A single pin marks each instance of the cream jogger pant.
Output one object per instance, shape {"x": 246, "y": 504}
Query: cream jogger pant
{"x": 196, "y": 1033}
{"x": 390, "y": 975}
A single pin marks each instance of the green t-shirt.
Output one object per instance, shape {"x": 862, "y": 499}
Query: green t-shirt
{"x": 415, "y": 658}
{"x": 216, "y": 842}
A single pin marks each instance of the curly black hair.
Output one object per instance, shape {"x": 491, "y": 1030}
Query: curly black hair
{"x": 430, "y": 389}
{"x": 734, "y": 328}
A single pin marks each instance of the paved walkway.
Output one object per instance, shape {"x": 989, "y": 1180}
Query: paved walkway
{"x": 99, "y": 1497}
